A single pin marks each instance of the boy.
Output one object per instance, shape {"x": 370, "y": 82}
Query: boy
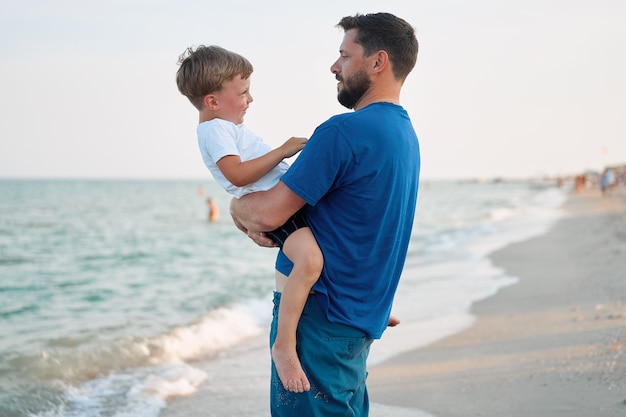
{"x": 217, "y": 83}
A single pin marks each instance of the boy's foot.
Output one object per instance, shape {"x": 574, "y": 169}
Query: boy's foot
{"x": 290, "y": 371}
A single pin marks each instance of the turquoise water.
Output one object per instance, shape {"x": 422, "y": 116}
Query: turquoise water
{"x": 111, "y": 291}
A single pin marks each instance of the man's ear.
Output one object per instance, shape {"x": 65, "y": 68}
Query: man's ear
{"x": 381, "y": 62}
{"x": 210, "y": 102}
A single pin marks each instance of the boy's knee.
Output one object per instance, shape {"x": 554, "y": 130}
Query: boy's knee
{"x": 312, "y": 263}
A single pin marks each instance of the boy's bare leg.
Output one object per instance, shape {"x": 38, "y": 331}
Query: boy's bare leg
{"x": 301, "y": 248}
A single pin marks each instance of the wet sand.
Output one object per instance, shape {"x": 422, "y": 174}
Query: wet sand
{"x": 552, "y": 345}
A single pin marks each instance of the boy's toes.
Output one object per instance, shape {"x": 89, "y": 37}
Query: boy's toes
{"x": 298, "y": 386}
{"x": 292, "y": 386}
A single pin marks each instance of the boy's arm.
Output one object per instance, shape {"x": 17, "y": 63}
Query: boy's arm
{"x": 241, "y": 173}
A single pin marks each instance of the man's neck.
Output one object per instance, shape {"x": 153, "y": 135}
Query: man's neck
{"x": 388, "y": 95}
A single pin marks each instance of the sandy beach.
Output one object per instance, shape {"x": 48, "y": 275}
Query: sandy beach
{"x": 552, "y": 345}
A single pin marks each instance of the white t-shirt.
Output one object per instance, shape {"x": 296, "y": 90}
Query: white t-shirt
{"x": 218, "y": 138}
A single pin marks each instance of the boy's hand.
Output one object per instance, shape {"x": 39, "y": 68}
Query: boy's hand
{"x": 292, "y": 146}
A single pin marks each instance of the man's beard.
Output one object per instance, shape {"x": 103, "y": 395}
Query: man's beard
{"x": 354, "y": 88}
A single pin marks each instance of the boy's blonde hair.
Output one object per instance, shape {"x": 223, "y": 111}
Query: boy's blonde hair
{"x": 204, "y": 70}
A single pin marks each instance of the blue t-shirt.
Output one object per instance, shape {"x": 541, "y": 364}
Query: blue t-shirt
{"x": 359, "y": 174}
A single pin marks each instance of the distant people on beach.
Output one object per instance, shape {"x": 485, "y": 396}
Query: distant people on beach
{"x": 581, "y": 182}
{"x": 217, "y": 82}
{"x": 357, "y": 179}
{"x": 607, "y": 181}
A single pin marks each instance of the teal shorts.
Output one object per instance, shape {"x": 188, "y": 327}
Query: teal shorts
{"x": 333, "y": 357}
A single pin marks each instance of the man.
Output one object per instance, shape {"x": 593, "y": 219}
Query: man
{"x": 358, "y": 177}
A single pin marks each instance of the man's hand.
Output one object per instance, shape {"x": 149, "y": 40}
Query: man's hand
{"x": 238, "y": 223}
{"x": 264, "y": 210}
{"x": 261, "y": 239}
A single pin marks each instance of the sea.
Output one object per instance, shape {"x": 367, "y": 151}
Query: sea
{"x": 119, "y": 297}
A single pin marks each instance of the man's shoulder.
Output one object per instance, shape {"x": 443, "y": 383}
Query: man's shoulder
{"x": 366, "y": 112}
{"x": 341, "y": 120}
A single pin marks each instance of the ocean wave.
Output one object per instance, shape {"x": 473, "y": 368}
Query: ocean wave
{"x": 76, "y": 359}
{"x": 216, "y": 331}
{"x": 135, "y": 375}
{"x": 9, "y": 311}
{"x": 141, "y": 392}
{"x": 14, "y": 260}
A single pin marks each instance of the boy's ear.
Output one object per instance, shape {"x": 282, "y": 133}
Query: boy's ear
{"x": 210, "y": 102}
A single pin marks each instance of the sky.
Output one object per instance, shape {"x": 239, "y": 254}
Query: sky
{"x": 514, "y": 89}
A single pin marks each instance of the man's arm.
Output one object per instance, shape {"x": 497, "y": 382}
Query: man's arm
{"x": 265, "y": 210}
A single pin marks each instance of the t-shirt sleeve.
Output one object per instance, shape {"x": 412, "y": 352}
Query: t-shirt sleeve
{"x": 321, "y": 165}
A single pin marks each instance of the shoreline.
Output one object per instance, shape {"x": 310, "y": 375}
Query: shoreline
{"x": 553, "y": 344}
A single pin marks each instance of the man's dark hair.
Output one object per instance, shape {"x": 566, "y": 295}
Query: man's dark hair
{"x": 384, "y": 31}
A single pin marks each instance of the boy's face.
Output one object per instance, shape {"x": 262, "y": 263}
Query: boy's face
{"x": 233, "y": 100}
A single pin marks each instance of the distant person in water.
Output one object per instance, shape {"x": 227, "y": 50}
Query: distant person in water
{"x": 217, "y": 82}
{"x": 214, "y": 211}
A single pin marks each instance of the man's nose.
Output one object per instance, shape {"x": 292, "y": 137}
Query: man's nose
{"x": 334, "y": 68}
